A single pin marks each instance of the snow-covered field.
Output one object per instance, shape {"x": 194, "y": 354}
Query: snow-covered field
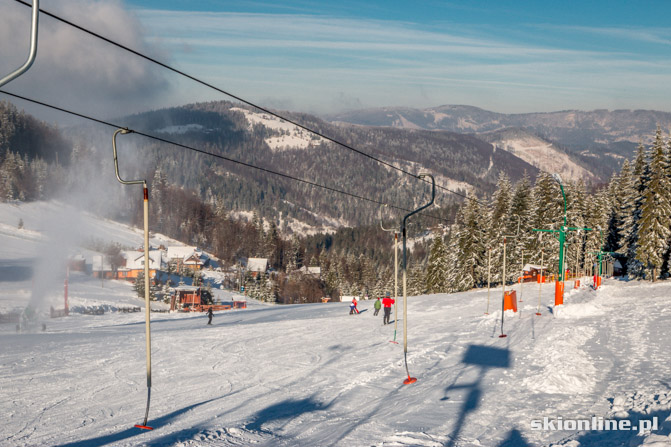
{"x": 312, "y": 375}
{"x": 545, "y": 156}
{"x": 292, "y": 137}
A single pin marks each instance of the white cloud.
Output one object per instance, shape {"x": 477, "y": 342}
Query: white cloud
{"x": 76, "y": 70}
{"x": 309, "y": 61}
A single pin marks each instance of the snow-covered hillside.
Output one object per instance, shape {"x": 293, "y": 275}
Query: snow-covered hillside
{"x": 289, "y": 136}
{"x": 539, "y": 153}
{"x": 312, "y": 375}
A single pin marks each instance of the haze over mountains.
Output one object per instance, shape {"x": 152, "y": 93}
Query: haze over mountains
{"x": 466, "y": 148}
{"x": 459, "y": 162}
{"x": 597, "y": 140}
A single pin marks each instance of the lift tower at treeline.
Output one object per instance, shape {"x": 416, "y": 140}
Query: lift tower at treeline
{"x": 559, "y": 285}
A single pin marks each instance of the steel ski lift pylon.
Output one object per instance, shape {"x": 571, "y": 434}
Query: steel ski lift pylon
{"x": 410, "y": 380}
{"x": 147, "y": 309}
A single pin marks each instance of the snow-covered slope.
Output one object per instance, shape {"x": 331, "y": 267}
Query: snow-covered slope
{"x": 538, "y": 152}
{"x": 312, "y": 375}
{"x": 33, "y": 258}
{"x": 288, "y": 136}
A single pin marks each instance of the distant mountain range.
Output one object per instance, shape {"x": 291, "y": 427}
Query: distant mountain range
{"x": 465, "y": 148}
{"x": 459, "y": 162}
{"x": 597, "y": 141}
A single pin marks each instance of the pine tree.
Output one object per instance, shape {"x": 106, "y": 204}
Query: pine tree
{"x": 521, "y": 209}
{"x": 416, "y": 281}
{"x": 577, "y": 211}
{"x": 368, "y": 276}
{"x": 666, "y": 265}
{"x": 632, "y": 223}
{"x": 436, "y": 272}
{"x": 293, "y": 261}
{"x": 471, "y": 251}
{"x": 654, "y": 232}
{"x": 452, "y": 260}
{"x": 612, "y": 238}
{"x": 273, "y": 247}
{"x": 497, "y": 224}
{"x": 261, "y": 239}
{"x": 627, "y": 191}
{"x": 139, "y": 287}
{"x": 549, "y": 208}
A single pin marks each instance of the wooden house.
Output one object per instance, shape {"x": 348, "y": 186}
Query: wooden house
{"x": 135, "y": 264}
{"x": 257, "y": 266}
{"x": 189, "y": 298}
{"x": 187, "y": 258}
{"x": 102, "y": 268}
{"x": 533, "y": 273}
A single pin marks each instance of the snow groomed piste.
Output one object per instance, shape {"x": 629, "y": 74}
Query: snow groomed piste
{"x": 253, "y": 377}
{"x": 582, "y": 365}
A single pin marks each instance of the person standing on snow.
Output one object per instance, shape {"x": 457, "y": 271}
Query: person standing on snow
{"x": 352, "y": 307}
{"x": 377, "y": 306}
{"x": 209, "y": 315}
{"x": 387, "y": 303}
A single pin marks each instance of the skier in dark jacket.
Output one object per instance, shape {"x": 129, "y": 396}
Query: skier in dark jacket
{"x": 209, "y": 315}
{"x": 378, "y": 306}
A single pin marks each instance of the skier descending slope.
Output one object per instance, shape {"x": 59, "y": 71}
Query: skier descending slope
{"x": 352, "y": 307}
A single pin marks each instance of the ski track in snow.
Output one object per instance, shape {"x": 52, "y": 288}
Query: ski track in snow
{"x": 312, "y": 375}
{"x": 343, "y": 385}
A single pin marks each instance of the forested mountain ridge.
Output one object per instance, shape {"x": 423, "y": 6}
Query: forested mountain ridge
{"x": 195, "y": 197}
{"x": 599, "y": 140}
{"x": 459, "y": 162}
{"x": 200, "y": 199}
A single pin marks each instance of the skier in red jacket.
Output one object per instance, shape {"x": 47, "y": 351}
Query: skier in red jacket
{"x": 352, "y": 307}
{"x": 387, "y": 303}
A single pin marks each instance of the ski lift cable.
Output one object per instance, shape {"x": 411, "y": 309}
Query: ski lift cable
{"x": 242, "y": 100}
{"x": 222, "y": 157}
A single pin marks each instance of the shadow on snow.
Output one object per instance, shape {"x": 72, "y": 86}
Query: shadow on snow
{"x": 133, "y": 431}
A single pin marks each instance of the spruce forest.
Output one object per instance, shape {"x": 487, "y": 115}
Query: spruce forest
{"x": 629, "y": 216}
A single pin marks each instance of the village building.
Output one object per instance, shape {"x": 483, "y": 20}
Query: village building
{"x": 256, "y": 266}
{"x": 533, "y": 273}
{"x": 312, "y": 271}
{"x": 132, "y": 266}
{"x": 188, "y": 258}
{"x": 185, "y": 296}
{"x": 135, "y": 263}
{"x": 102, "y": 268}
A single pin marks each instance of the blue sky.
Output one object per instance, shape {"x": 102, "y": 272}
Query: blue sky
{"x": 326, "y": 57}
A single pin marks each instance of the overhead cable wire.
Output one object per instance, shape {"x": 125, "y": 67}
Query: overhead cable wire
{"x": 211, "y": 154}
{"x": 242, "y": 100}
